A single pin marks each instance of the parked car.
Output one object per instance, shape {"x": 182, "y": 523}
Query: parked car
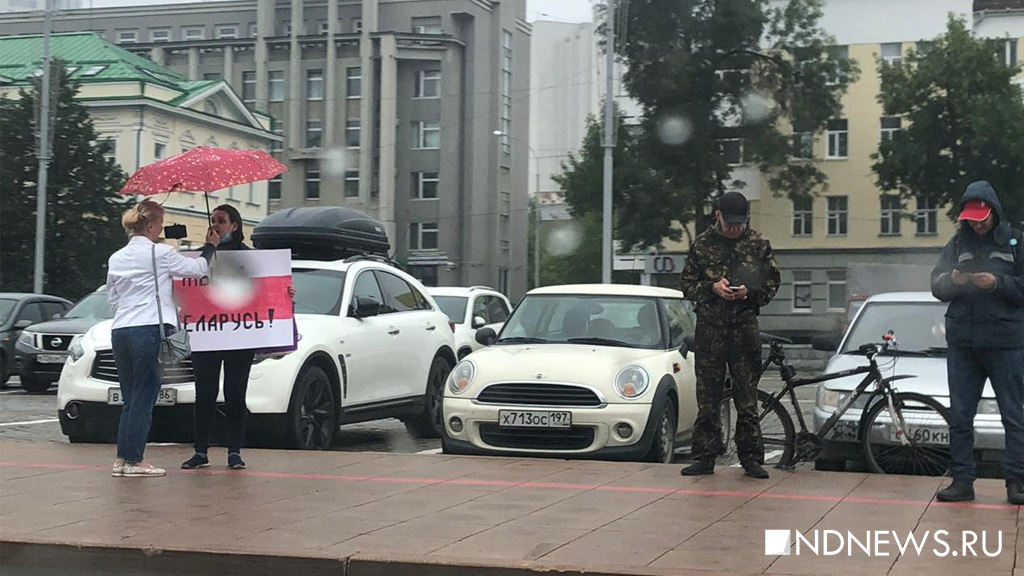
{"x": 918, "y": 321}
{"x": 17, "y": 312}
{"x": 585, "y": 370}
{"x": 470, "y": 309}
{"x": 42, "y": 348}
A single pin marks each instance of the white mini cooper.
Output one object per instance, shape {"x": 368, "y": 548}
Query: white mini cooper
{"x": 587, "y": 370}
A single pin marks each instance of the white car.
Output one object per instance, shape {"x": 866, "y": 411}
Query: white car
{"x": 587, "y": 370}
{"x": 918, "y": 322}
{"x": 373, "y": 345}
{"x": 470, "y": 309}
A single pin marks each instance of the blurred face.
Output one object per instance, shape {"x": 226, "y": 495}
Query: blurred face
{"x": 732, "y": 231}
{"x": 155, "y": 229}
{"x": 983, "y": 227}
{"x": 221, "y": 223}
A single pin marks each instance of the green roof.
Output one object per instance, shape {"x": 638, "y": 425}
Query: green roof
{"x": 89, "y": 59}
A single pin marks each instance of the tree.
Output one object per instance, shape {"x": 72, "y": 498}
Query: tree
{"x": 964, "y": 121}
{"x": 711, "y": 71}
{"x": 83, "y": 209}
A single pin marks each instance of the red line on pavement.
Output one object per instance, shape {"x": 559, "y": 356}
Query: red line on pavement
{"x": 543, "y": 485}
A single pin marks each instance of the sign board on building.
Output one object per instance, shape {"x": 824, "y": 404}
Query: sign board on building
{"x": 664, "y": 264}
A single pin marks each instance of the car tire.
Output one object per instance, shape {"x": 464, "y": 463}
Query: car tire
{"x": 312, "y": 413}
{"x": 35, "y": 385}
{"x": 430, "y": 424}
{"x": 5, "y": 372}
{"x": 830, "y": 465}
{"x": 664, "y": 443}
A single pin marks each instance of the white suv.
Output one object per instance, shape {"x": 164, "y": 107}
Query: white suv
{"x": 470, "y": 309}
{"x": 373, "y": 345}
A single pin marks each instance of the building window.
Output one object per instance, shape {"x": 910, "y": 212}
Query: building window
{"x": 127, "y": 37}
{"x": 423, "y": 236}
{"x": 160, "y": 35}
{"x": 275, "y": 85}
{"x": 427, "y": 275}
{"x": 194, "y": 33}
{"x": 159, "y": 151}
{"x": 803, "y": 291}
{"x": 354, "y": 82}
{"x": 277, "y": 128}
{"x": 274, "y": 188}
{"x": 503, "y": 284}
{"x": 890, "y": 216}
{"x": 351, "y": 183}
{"x": 324, "y": 26}
{"x": 312, "y": 183}
{"x": 211, "y": 75}
{"x": 357, "y": 25}
{"x": 428, "y": 84}
{"x": 315, "y": 84}
{"x": 838, "y": 215}
{"x": 111, "y": 154}
{"x": 890, "y": 126}
{"x": 254, "y": 30}
{"x": 927, "y": 217}
{"x": 227, "y": 32}
{"x": 892, "y": 53}
{"x": 353, "y": 132}
{"x": 428, "y": 135}
{"x": 836, "y": 289}
{"x": 505, "y": 121}
{"x": 732, "y": 150}
{"x": 430, "y": 25}
{"x": 803, "y": 216}
{"x": 314, "y": 133}
{"x": 424, "y": 185}
{"x": 924, "y": 48}
{"x": 1009, "y": 52}
{"x": 838, "y": 139}
{"x": 836, "y": 54}
{"x": 248, "y": 87}
{"x": 803, "y": 145}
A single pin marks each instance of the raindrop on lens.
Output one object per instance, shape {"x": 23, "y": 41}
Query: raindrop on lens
{"x": 757, "y": 107}
{"x": 564, "y": 241}
{"x": 674, "y": 130}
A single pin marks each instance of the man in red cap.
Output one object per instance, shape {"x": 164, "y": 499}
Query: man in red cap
{"x": 981, "y": 275}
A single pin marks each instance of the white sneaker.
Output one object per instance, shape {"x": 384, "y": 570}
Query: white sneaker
{"x": 118, "y": 470}
{"x": 146, "y": 471}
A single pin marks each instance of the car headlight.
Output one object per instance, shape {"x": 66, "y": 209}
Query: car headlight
{"x": 75, "y": 350}
{"x": 828, "y": 399}
{"x": 631, "y": 382}
{"x": 988, "y": 407}
{"x": 27, "y": 338}
{"x": 461, "y": 377}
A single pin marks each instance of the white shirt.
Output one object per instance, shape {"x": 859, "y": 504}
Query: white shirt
{"x": 131, "y": 289}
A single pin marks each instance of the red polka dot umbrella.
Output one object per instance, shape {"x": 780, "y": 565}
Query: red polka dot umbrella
{"x": 203, "y": 169}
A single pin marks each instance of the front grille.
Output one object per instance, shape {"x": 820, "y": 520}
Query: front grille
{"x": 55, "y": 342}
{"x": 104, "y": 368}
{"x": 539, "y": 394}
{"x": 575, "y": 438}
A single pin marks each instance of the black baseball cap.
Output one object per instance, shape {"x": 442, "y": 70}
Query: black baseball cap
{"x": 734, "y": 207}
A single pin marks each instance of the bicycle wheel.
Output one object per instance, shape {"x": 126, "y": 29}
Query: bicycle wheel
{"x": 776, "y": 429}
{"x": 922, "y": 421}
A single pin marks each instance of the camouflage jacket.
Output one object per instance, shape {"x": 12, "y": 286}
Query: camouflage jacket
{"x": 747, "y": 260}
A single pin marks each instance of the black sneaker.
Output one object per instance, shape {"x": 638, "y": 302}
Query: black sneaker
{"x": 754, "y": 469}
{"x": 958, "y": 491}
{"x": 1015, "y": 492}
{"x": 235, "y": 462}
{"x": 701, "y": 467}
{"x": 196, "y": 461}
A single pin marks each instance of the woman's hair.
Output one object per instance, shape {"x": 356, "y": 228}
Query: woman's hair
{"x": 235, "y": 218}
{"x": 138, "y": 218}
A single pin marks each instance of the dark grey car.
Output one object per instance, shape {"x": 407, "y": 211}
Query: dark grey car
{"x": 19, "y": 311}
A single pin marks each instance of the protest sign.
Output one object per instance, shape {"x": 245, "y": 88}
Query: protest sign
{"x": 243, "y": 304}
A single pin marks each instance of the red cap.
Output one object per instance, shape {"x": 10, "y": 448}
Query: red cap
{"x": 976, "y": 210}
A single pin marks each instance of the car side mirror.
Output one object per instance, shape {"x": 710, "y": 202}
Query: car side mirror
{"x": 828, "y": 343}
{"x": 479, "y": 322}
{"x": 486, "y": 336}
{"x": 365, "y": 307}
{"x": 58, "y": 316}
{"x": 689, "y": 345}
{"x": 22, "y": 324}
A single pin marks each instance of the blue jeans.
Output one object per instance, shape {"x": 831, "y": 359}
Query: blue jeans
{"x": 136, "y": 349}
{"x": 968, "y": 368}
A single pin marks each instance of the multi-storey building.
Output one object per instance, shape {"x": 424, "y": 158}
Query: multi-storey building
{"x": 387, "y": 106}
{"x": 19, "y": 5}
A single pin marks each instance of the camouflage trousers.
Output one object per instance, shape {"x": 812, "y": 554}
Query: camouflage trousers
{"x": 738, "y": 348}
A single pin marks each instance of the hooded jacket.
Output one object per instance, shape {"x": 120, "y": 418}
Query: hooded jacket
{"x": 979, "y": 318}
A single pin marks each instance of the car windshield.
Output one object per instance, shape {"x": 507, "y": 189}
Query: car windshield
{"x": 318, "y": 291}
{"x": 454, "y": 307}
{"x": 6, "y": 307}
{"x": 920, "y": 327}
{"x": 576, "y": 319}
{"x": 94, "y": 305}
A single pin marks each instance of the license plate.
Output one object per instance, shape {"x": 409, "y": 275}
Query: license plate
{"x": 167, "y": 397}
{"x": 921, "y": 434}
{"x": 533, "y": 419}
{"x": 51, "y": 358}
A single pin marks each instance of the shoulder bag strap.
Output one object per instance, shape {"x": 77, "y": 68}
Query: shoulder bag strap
{"x": 159, "y": 306}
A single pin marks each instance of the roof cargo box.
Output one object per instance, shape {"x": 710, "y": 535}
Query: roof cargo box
{"x": 321, "y": 233}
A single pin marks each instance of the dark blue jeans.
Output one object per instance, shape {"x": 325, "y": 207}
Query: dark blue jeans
{"x": 136, "y": 349}
{"x": 968, "y": 368}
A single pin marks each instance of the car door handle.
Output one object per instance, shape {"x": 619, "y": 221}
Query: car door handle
{"x": 394, "y": 331}
{"x": 431, "y": 327}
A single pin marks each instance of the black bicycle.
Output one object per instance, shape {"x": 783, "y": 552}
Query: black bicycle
{"x": 899, "y": 432}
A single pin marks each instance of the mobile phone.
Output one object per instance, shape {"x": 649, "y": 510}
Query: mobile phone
{"x": 175, "y": 232}
{"x": 734, "y": 288}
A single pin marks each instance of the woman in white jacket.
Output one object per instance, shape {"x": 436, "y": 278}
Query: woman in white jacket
{"x": 132, "y": 291}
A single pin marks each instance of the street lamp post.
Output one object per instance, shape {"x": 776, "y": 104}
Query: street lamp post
{"x": 43, "y": 154}
{"x": 536, "y": 198}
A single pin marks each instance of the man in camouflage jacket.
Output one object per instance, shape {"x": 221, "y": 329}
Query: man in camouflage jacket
{"x": 729, "y": 275}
